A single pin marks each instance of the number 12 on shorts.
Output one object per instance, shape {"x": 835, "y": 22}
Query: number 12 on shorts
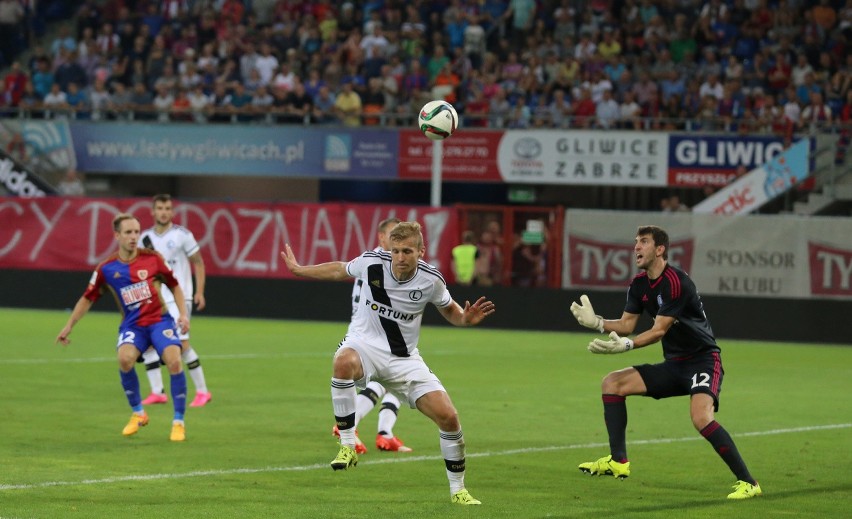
{"x": 701, "y": 380}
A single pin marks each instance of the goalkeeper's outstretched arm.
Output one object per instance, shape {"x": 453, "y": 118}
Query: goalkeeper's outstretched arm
{"x": 619, "y": 344}
{"x": 662, "y": 323}
{"x": 623, "y": 326}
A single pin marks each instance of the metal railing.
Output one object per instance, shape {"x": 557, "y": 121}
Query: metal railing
{"x": 277, "y": 115}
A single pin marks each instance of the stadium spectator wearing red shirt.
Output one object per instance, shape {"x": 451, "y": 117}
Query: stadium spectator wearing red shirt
{"x": 584, "y": 108}
{"x": 233, "y": 10}
{"x": 780, "y": 73}
{"x": 13, "y": 86}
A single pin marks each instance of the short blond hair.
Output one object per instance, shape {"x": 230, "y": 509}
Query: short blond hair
{"x": 406, "y": 230}
{"x": 120, "y": 217}
{"x": 387, "y": 223}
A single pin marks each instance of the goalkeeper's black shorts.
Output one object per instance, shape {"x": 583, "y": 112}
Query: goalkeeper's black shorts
{"x": 701, "y": 373}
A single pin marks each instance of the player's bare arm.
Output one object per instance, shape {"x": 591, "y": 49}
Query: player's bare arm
{"x": 622, "y": 326}
{"x": 180, "y": 301}
{"x": 83, "y": 305}
{"x": 662, "y": 323}
{"x": 200, "y": 280}
{"x": 330, "y": 271}
{"x": 470, "y": 315}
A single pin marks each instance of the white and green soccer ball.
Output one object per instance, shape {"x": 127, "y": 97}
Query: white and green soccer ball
{"x": 438, "y": 120}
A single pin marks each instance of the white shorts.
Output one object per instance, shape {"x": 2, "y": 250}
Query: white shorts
{"x": 173, "y": 311}
{"x": 408, "y": 377}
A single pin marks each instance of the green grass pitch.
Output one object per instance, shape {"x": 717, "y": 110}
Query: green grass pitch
{"x": 529, "y": 405}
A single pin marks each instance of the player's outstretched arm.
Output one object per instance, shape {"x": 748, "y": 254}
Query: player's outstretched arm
{"x": 83, "y": 305}
{"x": 330, "y": 271}
{"x": 470, "y": 315}
{"x": 619, "y": 344}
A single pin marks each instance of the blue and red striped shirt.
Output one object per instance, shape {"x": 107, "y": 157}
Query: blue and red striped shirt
{"x": 135, "y": 286}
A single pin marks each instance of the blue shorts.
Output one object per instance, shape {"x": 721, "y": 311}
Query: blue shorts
{"x": 160, "y": 335}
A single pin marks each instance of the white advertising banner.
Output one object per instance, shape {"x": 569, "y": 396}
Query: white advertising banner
{"x": 760, "y": 185}
{"x": 584, "y": 157}
{"x": 753, "y": 256}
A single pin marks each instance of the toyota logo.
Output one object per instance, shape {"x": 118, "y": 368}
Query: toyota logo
{"x": 527, "y": 148}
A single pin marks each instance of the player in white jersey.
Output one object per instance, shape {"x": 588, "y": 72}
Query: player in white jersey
{"x": 178, "y": 247}
{"x": 370, "y": 395}
{"x": 381, "y": 342}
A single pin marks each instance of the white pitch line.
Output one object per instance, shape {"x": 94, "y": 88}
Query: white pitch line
{"x": 233, "y": 356}
{"x": 406, "y": 459}
{"x": 225, "y": 356}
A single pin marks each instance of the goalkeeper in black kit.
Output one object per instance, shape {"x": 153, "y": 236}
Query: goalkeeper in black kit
{"x": 692, "y": 362}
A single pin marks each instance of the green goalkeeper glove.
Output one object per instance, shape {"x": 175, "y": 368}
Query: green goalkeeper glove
{"x": 585, "y": 314}
{"x": 615, "y": 344}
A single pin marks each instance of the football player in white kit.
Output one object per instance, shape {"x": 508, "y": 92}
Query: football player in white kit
{"x": 381, "y": 342}
{"x": 178, "y": 246}
{"x": 369, "y": 396}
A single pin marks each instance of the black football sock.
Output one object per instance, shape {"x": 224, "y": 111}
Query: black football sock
{"x": 724, "y": 445}
{"x": 615, "y": 416}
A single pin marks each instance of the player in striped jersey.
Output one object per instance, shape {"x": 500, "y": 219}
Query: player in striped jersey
{"x": 369, "y": 396}
{"x": 178, "y": 246}
{"x": 692, "y": 360}
{"x": 134, "y": 275}
{"x": 381, "y": 342}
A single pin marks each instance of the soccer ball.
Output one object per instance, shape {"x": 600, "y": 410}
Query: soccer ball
{"x": 438, "y": 120}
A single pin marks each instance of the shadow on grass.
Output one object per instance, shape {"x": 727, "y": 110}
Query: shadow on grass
{"x": 766, "y": 495}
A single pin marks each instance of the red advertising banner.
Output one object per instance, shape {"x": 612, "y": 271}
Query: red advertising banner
{"x": 831, "y": 270}
{"x": 236, "y": 239}
{"x": 596, "y": 263}
{"x": 468, "y": 156}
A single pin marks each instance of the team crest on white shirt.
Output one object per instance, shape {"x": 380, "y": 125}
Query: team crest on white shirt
{"x": 176, "y": 245}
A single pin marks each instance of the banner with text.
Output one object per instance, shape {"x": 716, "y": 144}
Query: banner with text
{"x": 541, "y": 157}
{"x": 584, "y": 157}
{"x": 288, "y": 151}
{"x": 236, "y": 239}
{"x": 467, "y": 156}
{"x": 696, "y": 160}
{"x": 752, "y": 256}
{"x": 760, "y": 185}
{"x": 18, "y": 180}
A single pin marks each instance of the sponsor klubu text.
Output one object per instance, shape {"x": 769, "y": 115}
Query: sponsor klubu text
{"x": 18, "y": 182}
{"x": 202, "y": 152}
{"x": 734, "y": 260}
{"x": 755, "y": 285}
{"x": 238, "y": 239}
{"x": 726, "y": 153}
{"x": 745, "y": 258}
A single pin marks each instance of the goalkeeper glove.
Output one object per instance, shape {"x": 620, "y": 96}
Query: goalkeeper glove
{"x": 615, "y": 344}
{"x": 585, "y": 314}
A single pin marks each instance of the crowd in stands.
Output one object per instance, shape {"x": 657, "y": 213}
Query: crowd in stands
{"x": 740, "y": 65}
